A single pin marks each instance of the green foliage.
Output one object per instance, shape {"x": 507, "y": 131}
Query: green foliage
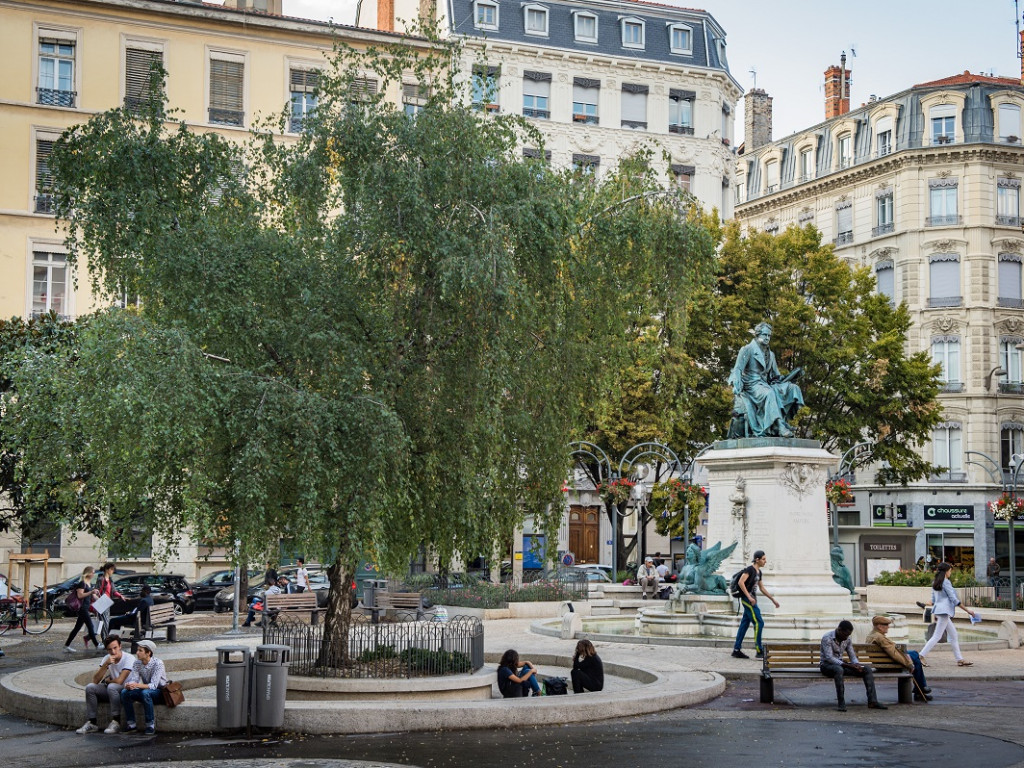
{"x": 483, "y": 594}
{"x": 380, "y": 653}
{"x": 915, "y": 578}
{"x": 436, "y": 662}
{"x": 669, "y": 501}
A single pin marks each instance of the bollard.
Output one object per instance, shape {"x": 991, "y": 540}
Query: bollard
{"x": 269, "y": 685}
{"x": 232, "y": 686}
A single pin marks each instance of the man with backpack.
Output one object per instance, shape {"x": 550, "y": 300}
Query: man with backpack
{"x": 747, "y": 582}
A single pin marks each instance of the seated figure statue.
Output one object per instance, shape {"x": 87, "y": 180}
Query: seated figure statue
{"x": 765, "y": 401}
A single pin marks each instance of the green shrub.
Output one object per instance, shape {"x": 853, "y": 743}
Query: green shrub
{"x": 424, "y": 660}
{"x": 377, "y": 654}
{"x": 915, "y": 578}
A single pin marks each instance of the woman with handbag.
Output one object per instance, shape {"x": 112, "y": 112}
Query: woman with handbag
{"x": 105, "y": 587}
{"x": 945, "y": 602}
{"x": 80, "y": 601}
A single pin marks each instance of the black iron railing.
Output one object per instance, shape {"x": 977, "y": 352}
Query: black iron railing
{"x": 996, "y": 596}
{"x": 398, "y": 649}
{"x": 51, "y": 97}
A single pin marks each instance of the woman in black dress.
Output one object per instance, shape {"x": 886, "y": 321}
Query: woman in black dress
{"x": 587, "y": 669}
{"x": 85, "y": 593}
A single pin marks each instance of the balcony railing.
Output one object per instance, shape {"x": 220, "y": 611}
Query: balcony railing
{"x": 1011, "y": 388}
{"x": 943, "y": 139}
{"x": 634, "y": 124}
{"x": 949, "y": 220}
{"x": 952, "y": 387}
{"x": 843, "y": 238}
{"x": 1010, "y": 303}
{"x": 949, "y": 477}
{"x": 883, "y": 151}
{"x": 935, "y": 302}
{"x": 883, "y": 229}
{"x": 43, "y": 203}
{"x": 51, "y": 97}
{"x": 587, "y": 119}
{"x": 1007, "y": 221}
{"x": 686, "y": 130}
{"x": 542, "y": 114}
{"x": 226, "y": 116}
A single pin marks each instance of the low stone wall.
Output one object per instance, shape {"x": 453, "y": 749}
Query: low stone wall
{"x": 546, "y": 610}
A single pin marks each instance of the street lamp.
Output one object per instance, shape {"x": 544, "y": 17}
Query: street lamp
{"x": 859, "y": 452}
{"x": 1010, "y": 489}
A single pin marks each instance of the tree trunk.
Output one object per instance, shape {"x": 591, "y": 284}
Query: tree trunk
{"x": 334, "y": 648}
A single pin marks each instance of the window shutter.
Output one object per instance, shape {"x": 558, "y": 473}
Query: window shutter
{"x": 536, "y": 87}
{"x": 305, "y": 80}
{"x": 138, "y": 72}
{"x": 363, "y": 87}
{"x": 844, "y": 219}
{"x": 1009, "y": 277}
{"x": 226, "y": 85}
{"x": 44, "y": 179}
{"x": 945, "y": 279}
{"x": 886, "y": 278}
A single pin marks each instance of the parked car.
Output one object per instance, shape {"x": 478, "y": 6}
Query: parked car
{"x": 166, "y": 588}
{"x": 595, "y": 571}
{"x": 205, "y": 590}
{"x": 318, "y": 582}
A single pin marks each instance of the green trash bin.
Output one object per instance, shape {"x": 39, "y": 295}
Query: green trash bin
{"x": 269, "y": 685}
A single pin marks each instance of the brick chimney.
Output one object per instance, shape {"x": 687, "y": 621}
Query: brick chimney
{"x": 837, "y": 89}
{"x": 757, "y": 119}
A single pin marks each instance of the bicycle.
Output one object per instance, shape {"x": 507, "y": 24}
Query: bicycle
{"x": 32, "y": 621}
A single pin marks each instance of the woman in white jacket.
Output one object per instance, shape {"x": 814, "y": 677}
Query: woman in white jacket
{"x": 945, "y": 601}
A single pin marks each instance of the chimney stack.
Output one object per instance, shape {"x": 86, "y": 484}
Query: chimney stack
{"x": 837, "y": 89}
{"x": 757, "y": 119}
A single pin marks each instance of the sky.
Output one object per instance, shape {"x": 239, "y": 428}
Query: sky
{"x": 790, "y": 43}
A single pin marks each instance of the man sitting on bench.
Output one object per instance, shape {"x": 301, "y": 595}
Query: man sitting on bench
{"x": 281, "y": 588}
{"x": 833, "y": 645}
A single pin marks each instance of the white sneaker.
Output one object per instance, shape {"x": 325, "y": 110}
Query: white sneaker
{"x": 114, "y": 727}
{"x": 88, "y": 728}
{"x": 69, "y": 649}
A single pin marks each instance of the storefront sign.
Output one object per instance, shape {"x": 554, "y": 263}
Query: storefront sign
{"x": 880, "y": 514}
{"x": 946, "y": 515}
{"x": 883, "y": 547}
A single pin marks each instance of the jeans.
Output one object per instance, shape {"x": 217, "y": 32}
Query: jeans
{"x": 837, "y": 673}
{"x": 751, "y": 614}
{"x": 97, "y": 692}
{"x": 146, "y": 696}
{"x": 918, "y": 669}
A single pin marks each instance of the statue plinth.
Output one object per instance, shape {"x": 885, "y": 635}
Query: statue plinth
{"x": 769, "y": 494}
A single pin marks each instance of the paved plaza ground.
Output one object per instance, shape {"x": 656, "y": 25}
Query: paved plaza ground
{"x": 977, "y": 718}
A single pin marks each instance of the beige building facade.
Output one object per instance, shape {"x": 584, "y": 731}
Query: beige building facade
{"x": 68, "y": 60}
{"x": 923, "y": 187}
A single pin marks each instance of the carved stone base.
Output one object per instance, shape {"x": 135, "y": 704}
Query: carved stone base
{"x": 781, "y": 510}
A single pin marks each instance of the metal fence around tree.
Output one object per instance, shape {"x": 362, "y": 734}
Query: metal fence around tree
{"x": 398, "y": 649}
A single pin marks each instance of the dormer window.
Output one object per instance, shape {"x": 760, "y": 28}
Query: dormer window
{"x": 680, "y": 39}
{"x": 485, "y": 14}
{"x": 535, "y": 20}
{"x": 943, "y": 120}
{"x": 632, "y": 33}
{"x": 586, "y": 27}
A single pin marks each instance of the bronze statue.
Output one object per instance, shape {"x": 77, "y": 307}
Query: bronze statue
{"x": 840, "y": 573}
{"x": 698, "y": 575}
{"x": 764, "y": 400}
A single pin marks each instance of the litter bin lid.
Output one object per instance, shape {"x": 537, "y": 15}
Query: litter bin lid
{"x": 273, "y": 647}
{"x": 233, "y": 648}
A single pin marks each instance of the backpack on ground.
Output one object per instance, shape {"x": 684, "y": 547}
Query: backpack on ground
{"x": 556, "y": 686}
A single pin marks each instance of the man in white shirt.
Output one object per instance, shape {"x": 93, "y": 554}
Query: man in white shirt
{"x": 106, "y": 685}
{"x": 301, "y": 576}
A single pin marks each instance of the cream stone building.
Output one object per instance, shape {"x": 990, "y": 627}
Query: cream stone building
{"x": 598, "y": 78}
{"x": 68, "y": 60}
{"x": 922, "y": 187}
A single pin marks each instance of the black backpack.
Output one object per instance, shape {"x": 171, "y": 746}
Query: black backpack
{"x": 734, "y": 583}
{"x": 556, "y": 686}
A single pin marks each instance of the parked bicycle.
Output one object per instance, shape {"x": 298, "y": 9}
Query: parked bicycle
{"x": 32, "y": 621}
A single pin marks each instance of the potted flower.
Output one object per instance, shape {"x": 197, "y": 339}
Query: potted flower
{"x": 617, "y": 491}
{"x": 839, "y": 492}
{"x": 1007, "y": 507}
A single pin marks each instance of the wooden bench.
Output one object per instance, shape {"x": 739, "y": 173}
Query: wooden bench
{"x": 407, "y": 601}
{"x": 293, "y": 603}
{"x": 801, "y": 660}
{"x": 161, "y": 619}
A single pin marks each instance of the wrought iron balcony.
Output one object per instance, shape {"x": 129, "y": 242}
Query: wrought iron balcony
{"x": 1011, "y": 388}
{"x": 541, "y": 114}
{"x": 587, "y": 119}
{"x": 949, "y": 220}
{"x": 949, "y": 477}
{"x": 1007, "y": 221}
{"x": 226, "y": 116}
{"x": 951, "y": 387}
{"x": 883, "y": 229}
{"x": 1010, "y": 303}
{"x": 843, "y": 238}
{"x": 945, "y": 301}
{"x": 51, "y": 97}
{"x": 634, "y": 124}
{"x": 686, "y": 130}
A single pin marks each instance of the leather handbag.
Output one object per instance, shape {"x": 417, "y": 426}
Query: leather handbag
{"x": 172, "y": 693}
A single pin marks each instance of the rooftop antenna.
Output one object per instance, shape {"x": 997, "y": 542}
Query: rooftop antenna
{"x": 753, "y": 73}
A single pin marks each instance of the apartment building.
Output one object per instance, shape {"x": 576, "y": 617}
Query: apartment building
{"x": 922, "y": 187}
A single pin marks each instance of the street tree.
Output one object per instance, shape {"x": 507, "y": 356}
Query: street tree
{"x": 371, "y": 339}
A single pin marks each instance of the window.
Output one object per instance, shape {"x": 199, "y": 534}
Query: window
{"x": 139, "y": 545}
{"x": 682, "y": 175}
{"x": 943, "y": 122}
{"x": 41, "y": 536}
{"x": 585, "y": 92}
{"x": 49, "y": 283}
{"x": 946, "y": 448}
{"x": 883, "y": 137}
{"x": 537, "y": 94}
{"x": 946, "y": 354}
{"x": 414, "y": 98}
{"x": 586, "y": 164}
{"x": 1010, "y": 281}
{"x": 56, "y": 84}
{"x": 883, "y": 213}
{"x": 944, "y": 280}
{"x": 634, "y": 105}
{"x": 536, "y": 20}
{"x": 942, "y": 208}
{"x": 844, "y": 223}
{"x": 585, "y": 25}
{"x": 806, "y": 164}
{"x": 302, "y": 85}
{"x": 680, "y": 111}
{"x": 1010, "y": 360}
{"x": 771, "y": 176}
{"x": 885, "y": 279}
{"x": 227, "y": 89}
{"x": 1008, "y": 202}
{"x": 535, "y": 154}
{"x": 845, "y": 158}
{"x": 632, "y": 33}
{"x": 43, "y": 201}
{"x": 1009, "y": 123}
{"x": 680, "y": 39}
{"x": 362, "y": 90}
{"x": 484, "y": 87}
{"x": 485, "y": 14}
{"x": 141, "y": 65}
{"x": 1011, "y": 442}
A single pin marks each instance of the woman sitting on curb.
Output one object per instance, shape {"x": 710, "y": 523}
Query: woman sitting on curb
{"x": 587, "y": 669}
{"x": 514, "y": 681}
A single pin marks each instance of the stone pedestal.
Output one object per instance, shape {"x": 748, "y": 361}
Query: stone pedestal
{"x": 769, "y": 494}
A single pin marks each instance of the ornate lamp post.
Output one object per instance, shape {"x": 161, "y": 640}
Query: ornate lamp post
{"x": 858, "y": 453}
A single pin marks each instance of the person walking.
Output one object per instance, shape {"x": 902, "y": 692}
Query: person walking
{"x": 587, "y": 668}
{"x": 84, "y": 593}
{"x": 301, "y": 576}
{"x": 749, "y": 582}
{"x": 105, "y": 586}
{"x": 944, "y": 603}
